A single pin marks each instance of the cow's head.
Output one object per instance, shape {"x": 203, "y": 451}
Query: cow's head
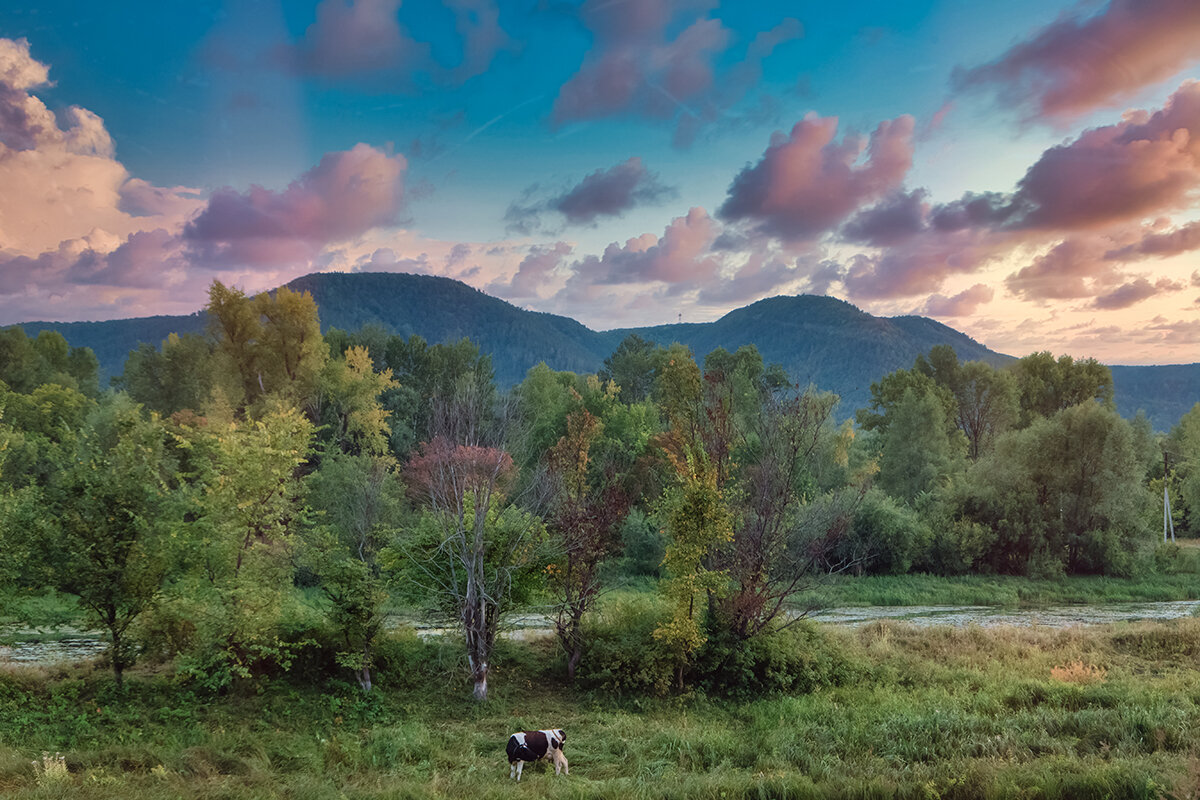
{"x": 558, "y": 739}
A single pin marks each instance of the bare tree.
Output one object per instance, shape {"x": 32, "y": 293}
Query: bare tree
{"x": 482, "y": 553}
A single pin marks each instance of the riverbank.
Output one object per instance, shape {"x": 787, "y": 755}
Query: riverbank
{"x": 1111, "y": 711}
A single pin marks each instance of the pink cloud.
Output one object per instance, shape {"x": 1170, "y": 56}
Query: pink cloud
{"x": 1147, "y": 163}
{"x": 637, "y": 67}
{"x": 897, "y": 218}
{"x": 1073, "y": 268}
{"x": 1134, "y": 292}
{"x": 346, "y": 194}
{"x": 604, "y": 193}
{"x": 682, "y": 255}
{"x": 920, "y": 264}
{"x": 1079, "y": 63}
{"x": 1183, "y": 239}
{"x": 363, "y": 41}
{"x": 963, "y": 304}
{"x": 534, "y": 271}
{"x": 806, "y": 184}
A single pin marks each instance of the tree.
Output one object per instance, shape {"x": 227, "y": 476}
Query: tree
{"x": 634, "y": 367}
{"x": 697, "y": 522}
{"x": 473, "y": 550}
{"x": 987, "y": 405}
{"x": 357, "y": 500}
{"x": 583, "y": 522}
{"x": 348, "y": 403}
{"x": 249, "y": 510}
{"x": 1046, "y": 386}
{"x": 270, "y": 343}
{"x": 180, "y": 375}
{"x": 112, "y": 510}
{"x": 917, "y": 451}
{"x": 1066, "y": 494}
{"x": 28, "y": 363}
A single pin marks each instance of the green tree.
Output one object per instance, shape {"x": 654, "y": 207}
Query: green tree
{"x": 358, "y": 505}
{"x": 634, "y": 367}
{"x": 1047, "y": 386}
{"x": 28, "y": 363}
{"x": 270, "y": 343}
{"x": 918, "y": 453}
{"x": 113, "y": 509}
{"x": 179, "y": 375}
{"x": 250, "y": 508}
{"x": 1066, "y": 494}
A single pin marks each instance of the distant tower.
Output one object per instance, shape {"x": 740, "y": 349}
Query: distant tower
{"x": 680, "y": 317}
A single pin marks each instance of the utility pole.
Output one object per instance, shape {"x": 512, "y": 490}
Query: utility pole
{"x": 1168, "y": 523}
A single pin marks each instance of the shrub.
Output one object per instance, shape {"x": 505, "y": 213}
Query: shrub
{"x": 621, "y": 654}
{"x": 798, "y": 659}
{"x": 888, "y": 534}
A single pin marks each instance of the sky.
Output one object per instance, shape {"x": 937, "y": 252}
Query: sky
{"x": 1025, "y": 171}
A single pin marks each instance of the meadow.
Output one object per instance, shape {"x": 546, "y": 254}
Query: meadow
{"x": 1111, "y": 711}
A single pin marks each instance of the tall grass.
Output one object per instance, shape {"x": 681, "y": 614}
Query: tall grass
{"x": 951, "y": 713}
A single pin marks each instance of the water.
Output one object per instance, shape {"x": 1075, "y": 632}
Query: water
{"x": 72, "y": 645}
{"x": 991, "y": 616}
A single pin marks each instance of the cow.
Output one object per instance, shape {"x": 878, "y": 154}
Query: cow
{"x": 534, "y": 745}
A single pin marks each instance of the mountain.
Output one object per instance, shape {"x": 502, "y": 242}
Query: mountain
{"x": 818, "y": 340}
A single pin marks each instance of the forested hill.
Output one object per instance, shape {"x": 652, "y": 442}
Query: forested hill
{"x": 818, "y": 340}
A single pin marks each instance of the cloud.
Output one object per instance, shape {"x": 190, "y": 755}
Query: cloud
{"x": 346, "y": 194}
{"x": 897, "y": 218}
{"x": 59, "y": 178}
{"x": 963, "y": 304}
{"x": 1145, "y": 164}
{"x": 604, "y": 193}
{"x": 921, "y": 264}
{"x": 1183, "y": 239}
{"x": 1080, "y": 63}
{"x": 1071, "y": 269}
{"x": 534, "y": 271}
{"x": 682, "y": 255}
{"x": 806, "y": 184}
{"x": 1134, "y": 292}
{"x": 636, "y": 67}
{"x": 362, "y": 42}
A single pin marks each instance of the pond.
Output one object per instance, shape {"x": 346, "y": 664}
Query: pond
{"x": 69, "y": 644}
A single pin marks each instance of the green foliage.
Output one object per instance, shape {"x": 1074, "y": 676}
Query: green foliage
{"x": 1065, "y": 494}
{"x": 885, "y": 538}
{"x": 798, "y": 659}
{"x": 358, "y": 508}
{"x": 108, "y": 513}
{"x": 622, "y": 655}
{"x": 26, "y": 364}
{"x": 1047, "y": 386}
{"x": 270, "y": 344}
{"x": 644, "y": 545}
{"x": 634, "y": 367}
{"x": 240, "y": 573}
{"x": 181, "y": 375}
{"x": 697, "y": 521}
{"x": 918, "y": 452}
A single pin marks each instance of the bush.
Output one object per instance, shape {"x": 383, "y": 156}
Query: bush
{"x": 955, "y": 547}
{"x": 621, "y": 655}
{"x": 798, "y": 659}
{"x": 887, "y": 534}
{"x": 644, "y": 544}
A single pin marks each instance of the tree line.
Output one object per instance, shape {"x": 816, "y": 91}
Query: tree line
{"x": 225, "y": 480}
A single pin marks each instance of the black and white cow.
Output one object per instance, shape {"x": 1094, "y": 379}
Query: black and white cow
{"x": 534, "y": 745}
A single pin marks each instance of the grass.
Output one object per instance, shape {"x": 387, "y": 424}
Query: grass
{"x": 949, "y": 713}
{"x": 998, "y": 590}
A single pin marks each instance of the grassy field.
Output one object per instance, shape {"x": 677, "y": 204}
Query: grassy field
{"x": 942, "y": 713}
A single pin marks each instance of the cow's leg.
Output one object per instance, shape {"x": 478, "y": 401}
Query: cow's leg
{"x": 520, "y": 765}
{"x": 512, "y": 770}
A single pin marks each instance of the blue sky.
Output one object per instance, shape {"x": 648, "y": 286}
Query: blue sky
{"x": 1023, "y": 171}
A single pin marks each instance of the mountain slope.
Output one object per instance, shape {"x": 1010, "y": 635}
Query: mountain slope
{"x": 818, "y": 340}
